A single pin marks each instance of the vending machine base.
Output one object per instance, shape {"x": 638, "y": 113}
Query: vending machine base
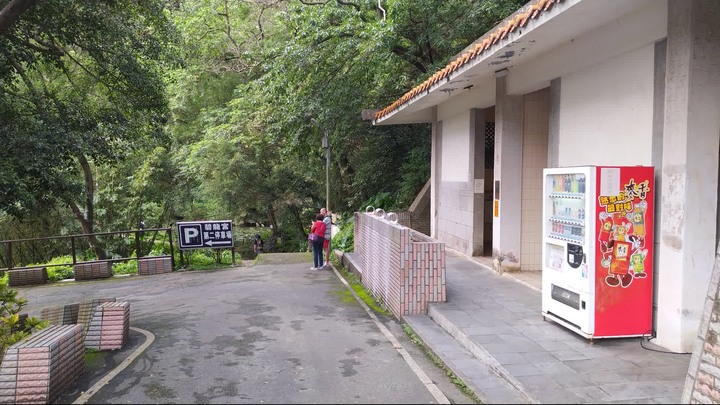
{"x": 549, "y": 316}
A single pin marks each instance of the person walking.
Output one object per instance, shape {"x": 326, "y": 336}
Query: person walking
{"x": 327, "y": 220}
{"x": 317, "y": 238}
{"x": 257, "y": 244}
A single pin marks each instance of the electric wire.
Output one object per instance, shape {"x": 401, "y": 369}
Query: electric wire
{"x": 647, "y": 337}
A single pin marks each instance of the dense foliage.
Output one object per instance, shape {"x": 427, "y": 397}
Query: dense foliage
{"x": 13, "y": 326}
{"x": 117, "y": 112}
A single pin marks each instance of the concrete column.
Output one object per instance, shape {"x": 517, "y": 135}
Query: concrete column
{"x": 691, "y": 139}
{"x": 553, "y": 159}
{"x": 508, "y": 178}
{"x": 435, "y": 157}
{"x": 477, "y": 162}
{"x": 657, "y": 152}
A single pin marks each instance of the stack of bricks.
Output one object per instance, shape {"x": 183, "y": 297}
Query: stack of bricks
{"x": 40, "y": 368}
{"x": 93, "y": 270}
{"x": 154, "y": 265}
{"x": 64, "y": 315}
{"x": 702, "y": 384}
{"x": 109, "y": 326}
{"x": 29, "y": 276}
{"x": 86, "y": 310}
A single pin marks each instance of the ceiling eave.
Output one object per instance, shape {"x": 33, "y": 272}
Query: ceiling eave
{"x": 559, "y": 25}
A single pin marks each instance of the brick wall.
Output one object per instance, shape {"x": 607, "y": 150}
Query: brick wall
{"x": 28, "y": 276}
{"x": 109, "y": 326}
{"x": 402, "y": 267}
{"x": 39, "y": 369}
{"x": 154, "y": 265}
{"x": 92, "y": 270}
{"x": 702, "y": 385}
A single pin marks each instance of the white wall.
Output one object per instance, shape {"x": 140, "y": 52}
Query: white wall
{"x": 608, "y": 106}
{"x": 455, "y": 190}
{"x": 456, "y": 147}
{"x": 627, "y": 33}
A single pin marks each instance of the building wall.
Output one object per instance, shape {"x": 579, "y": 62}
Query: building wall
{"x": 688, "y": 225}
{"x": 455, "y": 153}
{"x": 609, "y": 106}
{"x": 534, "y": 159}
{"x": 455, "y": 193}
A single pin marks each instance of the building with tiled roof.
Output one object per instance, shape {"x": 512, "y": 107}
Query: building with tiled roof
{"x": 582, "y": 83}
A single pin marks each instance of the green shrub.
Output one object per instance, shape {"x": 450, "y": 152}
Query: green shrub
{"x": 344, "y": 240}
{"x": 58, "y": 268}
{"x": 386, "y": 201}
{"x": 128, "y": 267}
{"x": 12, "y": 328}
{"x": 209, "y": 258}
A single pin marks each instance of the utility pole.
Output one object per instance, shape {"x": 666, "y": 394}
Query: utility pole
{"x": 326, "y": 145}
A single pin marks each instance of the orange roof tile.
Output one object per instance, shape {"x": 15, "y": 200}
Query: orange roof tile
{"x": 518, "y": 20}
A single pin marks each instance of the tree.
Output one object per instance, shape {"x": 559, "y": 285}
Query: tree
{"x": 80, "y": 88}
{"x": 250, "y": 130}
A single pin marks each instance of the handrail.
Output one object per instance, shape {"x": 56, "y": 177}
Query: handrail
{"x": 85, "y": 234}
{"x": 9, "y": 243}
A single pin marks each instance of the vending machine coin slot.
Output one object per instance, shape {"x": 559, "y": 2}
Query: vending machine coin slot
{"x": 574, "y": 255}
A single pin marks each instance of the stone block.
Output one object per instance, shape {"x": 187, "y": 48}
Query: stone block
{"x": 154, "y": 265}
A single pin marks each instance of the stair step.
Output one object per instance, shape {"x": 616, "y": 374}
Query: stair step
{"x": 485, "y": 383}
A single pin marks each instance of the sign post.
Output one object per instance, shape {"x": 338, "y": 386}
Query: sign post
{"x": 206, "y": 235}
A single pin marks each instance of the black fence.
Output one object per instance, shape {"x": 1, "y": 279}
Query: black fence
{"x": 119, "y": 245}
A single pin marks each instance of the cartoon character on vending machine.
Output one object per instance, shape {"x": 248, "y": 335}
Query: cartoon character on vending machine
{"x": 620, "y": 231}
{"x": 618, "y": 273}
{"x": 637, "y": 263}
{"x": 604, "y": 235}
{"x": 637, "y": 218}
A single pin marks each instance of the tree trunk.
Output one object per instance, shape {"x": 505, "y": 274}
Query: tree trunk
{"x": 87, "y": 228}
{"x": 272, "y": 242}
{"x": 86, "y": 220}
{"x": 12, "y": 11}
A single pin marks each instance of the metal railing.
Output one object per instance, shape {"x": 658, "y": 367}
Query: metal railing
{"x": 9, "y": 263}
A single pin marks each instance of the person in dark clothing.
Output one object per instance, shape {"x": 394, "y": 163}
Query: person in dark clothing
{"x": 257, "y": 244}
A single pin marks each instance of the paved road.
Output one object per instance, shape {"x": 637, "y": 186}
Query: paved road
{"x": 271, "y": 333}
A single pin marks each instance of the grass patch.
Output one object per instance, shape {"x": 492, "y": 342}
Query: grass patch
{"x": 379, "y": 308}
{"x": 352, "y": 279}
{"x": 436, "y": 360}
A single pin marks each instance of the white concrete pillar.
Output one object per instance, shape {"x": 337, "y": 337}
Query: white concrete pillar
{"x": 435, "y": 155}
{"x": 691, "y": 140}
{"x": 553, "y": 159}
{"x": 508, "y": 178}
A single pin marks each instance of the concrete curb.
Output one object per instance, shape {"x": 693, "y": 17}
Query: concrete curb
{"x": 480, "y": 353}
{"x": 149, "y": 338}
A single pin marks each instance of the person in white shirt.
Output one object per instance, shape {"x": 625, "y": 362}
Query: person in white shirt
{"x": 327, "y": 219}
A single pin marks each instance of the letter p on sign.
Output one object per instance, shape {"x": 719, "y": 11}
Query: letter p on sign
{"x": 190, "y": 235}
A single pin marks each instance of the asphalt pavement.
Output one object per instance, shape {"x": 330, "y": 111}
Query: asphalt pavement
{"x": 279, "y": 332}
{"x": 276, "y": 332}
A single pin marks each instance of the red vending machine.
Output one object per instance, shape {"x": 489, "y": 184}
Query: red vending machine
{"x": 598, "y": 249}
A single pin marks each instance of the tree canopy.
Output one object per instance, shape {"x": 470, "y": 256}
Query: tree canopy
{"x": 118, "y": 110}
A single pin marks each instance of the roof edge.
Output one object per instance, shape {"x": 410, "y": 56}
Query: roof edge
{"x": 518, "y": 19}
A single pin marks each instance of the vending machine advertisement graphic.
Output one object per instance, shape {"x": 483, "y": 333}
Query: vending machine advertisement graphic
{"x": 598, "y": 249}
